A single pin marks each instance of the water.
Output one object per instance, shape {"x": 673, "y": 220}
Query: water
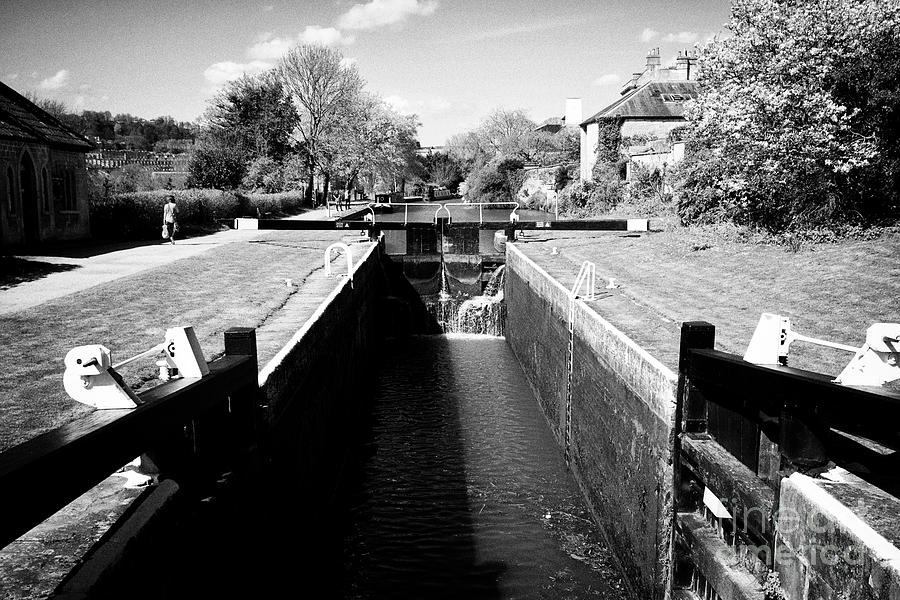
{"x": 463, "y": 492}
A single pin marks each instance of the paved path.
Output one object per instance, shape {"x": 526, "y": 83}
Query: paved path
{"x": 107, "y": 266}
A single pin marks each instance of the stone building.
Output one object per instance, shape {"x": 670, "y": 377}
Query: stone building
{"x": 651, "y": 105}
{"x": 43, "y": 181}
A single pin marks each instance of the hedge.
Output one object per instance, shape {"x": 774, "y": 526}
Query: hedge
{"x": 138, "y": 215}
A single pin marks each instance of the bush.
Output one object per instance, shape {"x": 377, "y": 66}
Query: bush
{"x": 497, "y": 181}
{"x": 138, "y": 215}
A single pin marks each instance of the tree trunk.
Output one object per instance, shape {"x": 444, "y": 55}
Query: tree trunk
{"x": 310, "y": 184}
{"x": 325, "y": 187}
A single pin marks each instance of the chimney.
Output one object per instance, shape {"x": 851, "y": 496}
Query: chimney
{"x": 687, "y": 61}
{"x": 653, "y": 60}
{"x": 573, "y": 112}
{"x": 631, "y": 83}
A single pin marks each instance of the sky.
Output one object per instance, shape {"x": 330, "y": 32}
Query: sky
{"x": 451, "y": 62}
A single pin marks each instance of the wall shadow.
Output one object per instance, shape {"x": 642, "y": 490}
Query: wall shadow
{"x": 14, "y": 271}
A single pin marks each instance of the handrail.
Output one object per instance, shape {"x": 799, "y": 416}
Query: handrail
{"x": 347, "y": 254}
{"x": 587, "y": 276}
{"x": 437, "y": 212}
{"x": 513, "y": 215}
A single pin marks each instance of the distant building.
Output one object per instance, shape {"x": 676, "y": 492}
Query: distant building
{"x": 429, "y": 150}
{"x": 571, "y": 119}
{"x": 43, "y": 181}
{"x": 651, "y": 105}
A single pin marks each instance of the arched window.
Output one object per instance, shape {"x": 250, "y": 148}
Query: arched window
{"x": 71, "y": 191}
{"x": 45, "y": 190}
{"x": 10, "y": 191}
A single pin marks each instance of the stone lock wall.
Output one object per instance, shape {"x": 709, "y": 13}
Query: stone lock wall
{"x": 622, "y": 414}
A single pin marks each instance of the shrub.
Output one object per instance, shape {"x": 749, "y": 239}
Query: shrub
{"x": 139, "y": 215}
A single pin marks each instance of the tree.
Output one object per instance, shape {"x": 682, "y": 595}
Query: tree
{"x": 319, "y": 83}
{"x": 786, "y": 132}
{"x": 216, "y": 164}
{"x": 255, "y": 113}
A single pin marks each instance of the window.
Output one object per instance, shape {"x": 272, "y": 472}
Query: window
{"x": 677, "y": 97}
{"x": 71, "y": 201}
{"x": 45, "y": 191}
{"x": 10, "y": 191}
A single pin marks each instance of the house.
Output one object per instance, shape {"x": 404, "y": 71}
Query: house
{"x": 651, "y": 105}
{"x": 43, "y": 180}
{"x": 571, "y": 119}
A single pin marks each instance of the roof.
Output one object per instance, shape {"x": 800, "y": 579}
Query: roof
{"x": 653, "y": 100}
{"x": 21, "y": 119}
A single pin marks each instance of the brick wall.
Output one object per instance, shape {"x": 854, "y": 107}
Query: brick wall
{"x": 622, "y": 412}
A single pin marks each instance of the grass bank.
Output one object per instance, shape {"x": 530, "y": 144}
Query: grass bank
{"x": 236, "y": 285}
{"x": 831, "y": 290}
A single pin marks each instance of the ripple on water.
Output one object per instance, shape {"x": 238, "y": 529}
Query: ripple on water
{"x": 464, "y": 492}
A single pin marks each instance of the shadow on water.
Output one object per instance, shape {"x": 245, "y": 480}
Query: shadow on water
{"x": 411, "y": 532}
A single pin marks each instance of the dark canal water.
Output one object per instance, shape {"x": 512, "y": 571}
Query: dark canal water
{"x": 462, "y": 490}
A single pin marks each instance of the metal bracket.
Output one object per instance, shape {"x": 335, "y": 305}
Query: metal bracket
{"x": 91, "y": 378}
{"x": 874, "y": 363}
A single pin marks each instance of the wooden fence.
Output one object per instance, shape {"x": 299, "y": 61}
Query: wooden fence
{"x": 192, "y": 430}
{"x": 740, "y": 429}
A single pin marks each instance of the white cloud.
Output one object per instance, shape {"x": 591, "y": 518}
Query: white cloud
{"x": 12, "y": 76}
{"x": 608, "y": 79}
{"x": 270, "y": 48}
{"x": 438, "y": 105}
{"x": 682, "y": 37}
{"x": 377, "y": 13}
{"x": 648, "y": 34}
{"x": 398, "y": 103}
{"x": 328, "y": 36}
{"x": 56, "y": 82}
{"x": 220, "y": 72}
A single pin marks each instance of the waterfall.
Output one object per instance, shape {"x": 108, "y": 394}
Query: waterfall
{"x": 484, "y": 314}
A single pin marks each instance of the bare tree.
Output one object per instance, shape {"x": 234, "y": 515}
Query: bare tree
{"x": 319, "y": 84}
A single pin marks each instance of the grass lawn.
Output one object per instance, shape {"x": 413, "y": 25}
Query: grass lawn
{"x": 829, "y": 291}
{"x": 239, "y": 284}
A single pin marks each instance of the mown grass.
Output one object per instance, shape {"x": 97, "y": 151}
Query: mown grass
{"x": 239, "y": 284}
{"x": 832, "y": 291}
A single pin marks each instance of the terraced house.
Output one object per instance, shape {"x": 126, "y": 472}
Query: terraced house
{"x": 43, "y": 181}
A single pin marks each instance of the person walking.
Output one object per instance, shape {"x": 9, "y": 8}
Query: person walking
{"x": 170, "y": 214}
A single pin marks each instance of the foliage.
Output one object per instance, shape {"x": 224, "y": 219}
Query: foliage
{"x": 442, "y": 170}
{"x": 319, "y": 83}
{"x": 216, "y": 164}
{"x": 592, "y": 198}
{"x": 264, "y": 175}
{"x": 254, "y": 114}
{"x": 139, "y": 215}
{"x": 609, "y": 139}
{"x": 498, "y": 181}
{"x": 795, "y": 125}
{"x": 561, "y": 177}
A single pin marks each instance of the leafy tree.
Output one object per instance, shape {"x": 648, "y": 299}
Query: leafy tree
{"x": 255, "y": 113}
{"x": 319, "y": 84}
{"x": 443, "y": 170}
{"x": 796, "y": 121}
{"x": 216, "y": 165}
